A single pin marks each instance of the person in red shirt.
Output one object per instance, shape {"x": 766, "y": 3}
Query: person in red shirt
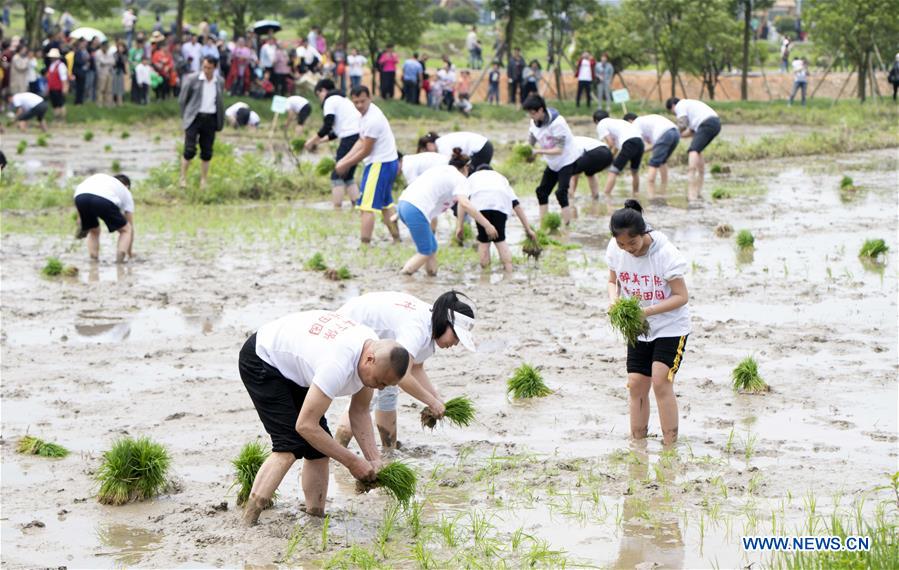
{"x": 57, "y": 83}
{"x": 164, "y": 65}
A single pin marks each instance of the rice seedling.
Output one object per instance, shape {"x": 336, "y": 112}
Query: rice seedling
{"x": 746, "y": 377}
{"x": 847, "y": 184}
{"x": 316, "y": 262}
{"x": 341, "y": 274}
{"x": 89, "y": 136}
{"x": 397, "y": 478}
{"x": 20, "y": 148}
{"x": 719, "y": 169}
{"x": 292, "y": 543}
{"x": 720, "y": 194}
{"x": 297, "y": 145}
{"x": 423, "y": 557}
{"x": 551, "y": 223}
{"x": 30, "y": 445}
{"x": 626, "y": 316}
{"x": 125, "y": 135}
{"x": 53, "y": 268}
{"x": 325, "y": 166}
{"x": 157, "y": 138}
{"x": 873, "y": 248}
{"x": 745, "y": 239}
{"x": 523, "y": 152}
{"x": 246, "y": 465}
{"x": 325, "y": 526}
{"x": 526, "y": 382}
{"x": 107, "y": 148}
{"x": 447, "y": 528}
{"x": 459, "y": 411}
{"x": 386, "y": 528}
{"x": 415, "y": 511}
{"x": 724, "y": 230}
{"x": 41, "y": 140}
{"x": 116, "y": 166}
{"x": 132, "y": 470}
{"x": 531, "y": 248}
{"x": 467, "y": 235}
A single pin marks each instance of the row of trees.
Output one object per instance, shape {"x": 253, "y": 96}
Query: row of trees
{"x": 697, "y": 37}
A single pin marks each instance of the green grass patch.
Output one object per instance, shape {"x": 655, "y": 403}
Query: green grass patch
{"x": 133, "y": 470}
{"x": 746, "y": 377}
{"x": 873, "y": 248}
{"x": 30, "y": 445}
{"x": 458, "y": 411}
{"x": 527, "y": 382}
{"x": 626, "y": 317}
{"x": 246, "y": 465}
{"x": 745, "y": 239}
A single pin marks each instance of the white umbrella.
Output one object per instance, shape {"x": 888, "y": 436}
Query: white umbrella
{"x": 88, "y": 34}
{"x": 266, "y": 26}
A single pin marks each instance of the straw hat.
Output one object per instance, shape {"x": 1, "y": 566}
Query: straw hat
{"x": 156, "y": 37}
{"x": 54, "y": 53}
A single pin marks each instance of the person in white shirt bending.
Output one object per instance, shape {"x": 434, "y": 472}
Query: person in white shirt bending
{"x": 107, "y": 198}
{"x": 698, "y": 120}
{"x": 626, "y": 139}
{"x": 293, "y": 369}
{"x": 663, "y": 137}
{"x": 644, "y": 265}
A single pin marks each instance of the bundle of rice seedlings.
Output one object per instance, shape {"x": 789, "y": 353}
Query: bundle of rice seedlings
{"x": 745, "y": 239}
{"x": 873, "y": 248}
{"x": 132, "y": 470}
{"x": 316, "y": 262}
{"x": 325, "y": 166}
{"x": 724, "y": 230}
{"x": 69, "y": 271}
{"x": 338, "y": 274}
{"x": 626, "y": 317}
{"x": 30, "y": 445}
{"x": 125, "y": 135}
{"x": 551, "y": 223}
{"x": 523, "y": 152}
{"x": 459, "y": 411}
{"x": 88, "y": 136}
{"x": 746, "y": 377}
{"x": 526, "y": 382}
{"x": 719, "y": 169}
{"x": 531, "y": 248}
{"x": 116, "y": 166}
{"x": 297, "y": 145}
{"x": 41, "y": 140}
{"x": 720, "y": 194}
{"x": 847, "y": 184}
{"x": 20, "y": 148}
{"x": 53, "y": 268}
{"x": 246, "y": 465}
{"x": 397, "y": 478}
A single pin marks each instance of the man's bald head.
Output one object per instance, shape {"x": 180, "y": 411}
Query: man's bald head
{"x": 383, "y": 363}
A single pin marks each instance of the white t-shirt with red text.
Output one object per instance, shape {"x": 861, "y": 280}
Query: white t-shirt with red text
{"x": 398, "y": 316}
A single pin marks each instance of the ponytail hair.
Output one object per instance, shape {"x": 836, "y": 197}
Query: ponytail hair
{"x": 426, "y": 139}
{"x": 443, "y": 309}
{"x": 628, "y": 219}
{"x": 458, "y": 159}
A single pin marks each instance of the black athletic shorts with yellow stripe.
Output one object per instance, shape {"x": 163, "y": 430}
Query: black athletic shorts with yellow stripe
{"x": 667, "y": 350}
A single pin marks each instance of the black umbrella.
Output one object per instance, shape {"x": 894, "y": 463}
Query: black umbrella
{"x": 263, "y": 27}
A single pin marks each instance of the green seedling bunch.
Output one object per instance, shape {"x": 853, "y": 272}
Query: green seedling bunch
{"x": 89, "y": 136}
{"x": 133, "y": 470}
{"x": 20, "y": 148}
{"x": 847, "y": 184}
{"x": 626, "y": 317}
{"x": 720, "y": 194}
{"x": 746, "y": 377}
{"x": 325, "y": 166}
{"x": 297, "y": 145}
{"x": 397, "y": 478}
{"x": 53, "y": 267}
{"x": 458, "y": 411}
{"x": 745, "y": 239}
{"x": 551, "y": 223}
{"x": 316, "y": 262}
{"x": 523, "y": 152}
{"x": 30, "y": 445}
{"x": 246, "y": 465}
{"x": 873, "y": 248}
{"x": 527, "y": 382}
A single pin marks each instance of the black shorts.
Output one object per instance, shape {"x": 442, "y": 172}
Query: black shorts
{"x": 483, "y": 156}
{"x": 498, "y": 219}
{"x": 36, "y": 112}
{"x": 57, "y": 99}
{"x": 304, "y": 114}
{"x": 593, "y": 161}
{"x": 667, "y": 350}
{"x": 343, "y": 148}
{"x": 278, "y": 401}
{"x": 549, "y": 179}
{"x": 630, "y": 152}
{"x": 705, "y": 133}
{"x": 91, "y": 207}
{"x": 202, "y": 128}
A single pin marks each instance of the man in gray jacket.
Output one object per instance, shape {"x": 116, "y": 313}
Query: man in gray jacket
{"x": 603, "y": 73}
{"x": 202, "y": 114}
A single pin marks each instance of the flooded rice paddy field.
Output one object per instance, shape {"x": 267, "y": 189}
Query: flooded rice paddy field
{"x": 150, "y": 349}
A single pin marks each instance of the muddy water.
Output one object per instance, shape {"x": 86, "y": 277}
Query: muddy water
{"x": 152, "y": 350}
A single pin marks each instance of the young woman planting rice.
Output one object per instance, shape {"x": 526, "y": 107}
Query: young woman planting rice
{"x": 419, "y": 328}
{"x": 428, "y": 197}
{"x": 645, "y": 266}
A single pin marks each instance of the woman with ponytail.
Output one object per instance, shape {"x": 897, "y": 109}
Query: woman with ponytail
{"x": 418, "y": 328}
{"x": 643, "y": 264}
{"x": 429, "y": 196}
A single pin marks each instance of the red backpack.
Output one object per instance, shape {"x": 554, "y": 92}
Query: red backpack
{"x": 54, "y": 83}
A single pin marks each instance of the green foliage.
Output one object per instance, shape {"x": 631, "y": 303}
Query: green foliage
{"x": 746, "y": 376}
{"x": 125, "y": 135}
{"x": 526, "y": 382}
{"x": 316, "y": 262}
{"x": 246, "y": 465}
{"x": 440, "y": 15}
{"x": 53, "y": 268}
{"x": 325, "y": 166}
{"x": 297, "y": 145}
{"x": 745, "y": 239}
{"x": 41, "y": 140}
{"x": 612, "y": 30}
{"x": 20, "y": 148}
{"x": 873, "y": 248}
{"x": 30, "y": 445}
{"x": 626, "y": 316}
{"x": 720, "y": 194}
{"x": 133, "y": 470}
{"x": 465, "y": 15}
{"x": 89, "y": 136}
{"x": 399, "y": 480}
{"x": 551, "y": 223}
{"x": 785, "y": 26}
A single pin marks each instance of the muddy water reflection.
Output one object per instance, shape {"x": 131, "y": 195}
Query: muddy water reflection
{"x": 128, "y": 544}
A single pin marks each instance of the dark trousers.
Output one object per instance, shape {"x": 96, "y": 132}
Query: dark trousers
{"x": 388, "y": 84}
{"x": 80, "y": 84}
{"x": 515, "y": 88}
{"x": 550, "y": 179}
{"x": 583, "y": 87}
{"x": 203, "y": 128}
{"x": 135, "y": 92}
{"x": 448, "y": 100}
{"x": 410, "y": 91}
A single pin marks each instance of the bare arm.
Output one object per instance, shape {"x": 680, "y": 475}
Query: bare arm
{"x": 360, "y": 423}
{"x": 314, "y": 407}
{"x": 677, "y": 299}
{"x": 519, "y": 211}
{"x": 360, "y": 150}
{"x": 130, "y": 217}
{"x": 612, "y": 286}
{"x": 683, "y": 126}
{"x": 410, "y": 385}
{"x": 467, "y": 206}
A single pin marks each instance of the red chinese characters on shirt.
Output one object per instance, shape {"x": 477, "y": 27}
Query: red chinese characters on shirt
{"x": 408, "y": 305}
{"x": 644, "y": 287}
{"x": 330, "y": 325}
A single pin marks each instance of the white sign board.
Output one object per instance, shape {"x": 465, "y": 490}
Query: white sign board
{"x": 279, "y": 104}
{"x": 620, "y": 96}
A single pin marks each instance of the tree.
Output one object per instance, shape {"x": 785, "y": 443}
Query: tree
{"x": 854, "y": 28}
{"x": 179, "y": 21}
{"x": 663, "y": 23}
{"x": 747, "y": 6}
{"x": 716, "y": 43}
{"x": 236, "y": 13}
{"x": 611, "y": 30}
{"x": 513, "y": 12}
{"x": 34, "y": 12}
{"x": 564, "y": 17}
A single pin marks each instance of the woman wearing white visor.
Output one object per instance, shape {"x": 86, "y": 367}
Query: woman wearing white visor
{"x": 419, "y": 328}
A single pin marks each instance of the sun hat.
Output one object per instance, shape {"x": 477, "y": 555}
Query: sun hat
{"x": 462, "y": 325}
{"x": 54, "y": 53}
{"x": 156, "y": 36}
